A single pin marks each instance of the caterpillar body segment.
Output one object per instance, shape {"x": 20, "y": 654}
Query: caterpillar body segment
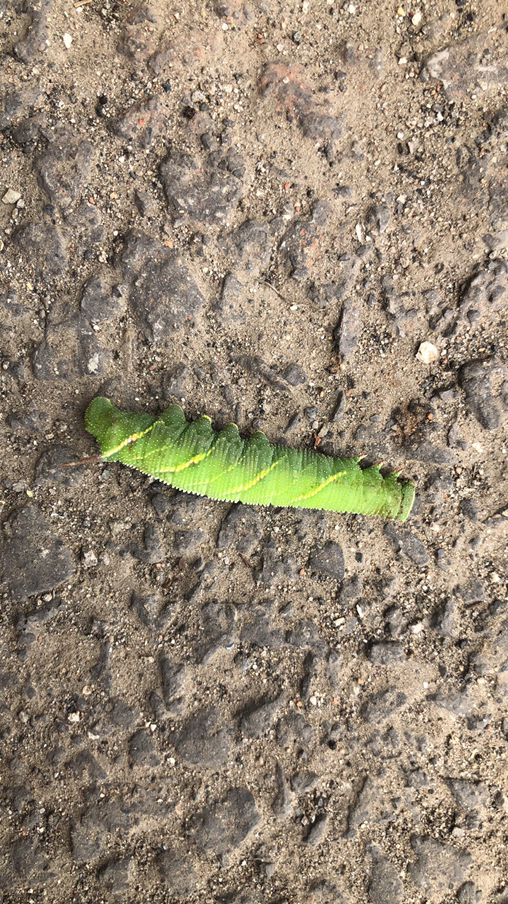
{"x": 193, "y": 457}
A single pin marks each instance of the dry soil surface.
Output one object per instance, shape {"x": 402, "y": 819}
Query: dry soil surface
{"x": 261, "y": 210}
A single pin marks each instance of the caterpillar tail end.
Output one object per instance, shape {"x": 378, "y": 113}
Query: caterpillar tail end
{"x": 407, "y": 499}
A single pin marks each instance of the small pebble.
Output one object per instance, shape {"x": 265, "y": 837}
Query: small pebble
{"x": 89, "y": 559}
{"x": 427, "y": 353}
{"x": 11, "y": 196}
{"x": 67, "y": 39}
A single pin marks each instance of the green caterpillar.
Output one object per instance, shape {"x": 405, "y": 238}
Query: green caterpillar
{"x": 195, "y": 458}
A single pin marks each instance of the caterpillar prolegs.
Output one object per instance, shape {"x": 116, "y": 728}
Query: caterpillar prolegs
{"x": 221, "y": 465}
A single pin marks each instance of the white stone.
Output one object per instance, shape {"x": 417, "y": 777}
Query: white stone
{"x": 11, "y": 196}
{"x": 427, "y": 353}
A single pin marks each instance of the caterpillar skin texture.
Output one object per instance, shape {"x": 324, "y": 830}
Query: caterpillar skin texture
{"x": 221, "y": 465}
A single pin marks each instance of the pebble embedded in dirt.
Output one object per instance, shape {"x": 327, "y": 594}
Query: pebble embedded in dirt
{"x": 408, "y": 544}
{"x": 203, "y": 195}
{"x": 329, "y": 561}
{"x": 34, "y": 559}
{"x": 71, "y": 348}
{"x": 44, "y": 247}
{"x": 219, "y": 830}
{"x": 438, "y": 867}
{"x": 176, "y": 872}
{"x": 478, "y": 63}
{"x": 251, "y": 247}
{"x": 63, "y": 168}
{"x": 295, "y": 96}
{"x": 479, "y": 380}
{"x": 347, "y": 332}
{"x": 203, "y": 739}
{"x": 301, "y": 245}
{"x": 162, "y": 291}
{"x": 141, "y": 124}
{"x": 385, "y": 884}
{"x": 99, "y": 301}
{"x": 484, "y": 294}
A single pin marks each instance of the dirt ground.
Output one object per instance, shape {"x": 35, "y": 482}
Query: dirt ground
{"x": 262, "y": 211}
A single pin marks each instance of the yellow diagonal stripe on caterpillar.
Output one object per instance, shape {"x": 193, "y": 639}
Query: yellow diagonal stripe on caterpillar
{"x": 321, "y": 487}
{"x": 128, "y": 441}
{"x": 248, "y": 486}
{"x": 192, "y": 461}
